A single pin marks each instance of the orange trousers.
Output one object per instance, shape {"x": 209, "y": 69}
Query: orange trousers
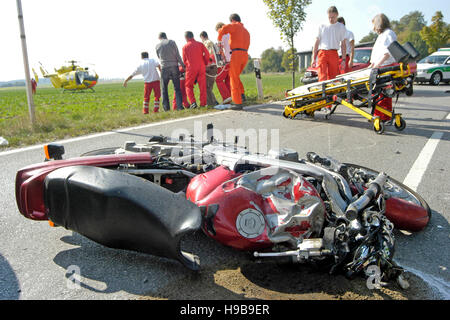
{"x": 238, "y": 63}
{"x": 328, "y": 61}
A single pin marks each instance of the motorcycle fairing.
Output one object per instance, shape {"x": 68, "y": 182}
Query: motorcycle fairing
{"x": 297, "y": 209}
{"x": 121, "y": 211}
{"x": 259, "y": 209}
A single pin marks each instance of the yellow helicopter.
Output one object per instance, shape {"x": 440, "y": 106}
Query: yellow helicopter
{"x": 71, "y": 77}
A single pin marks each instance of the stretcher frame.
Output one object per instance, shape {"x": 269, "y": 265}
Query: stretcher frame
{"x": 368, "y": 87}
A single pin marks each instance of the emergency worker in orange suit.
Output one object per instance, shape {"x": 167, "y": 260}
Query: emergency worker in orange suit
{"x": 239, "y": 44}
{"x": 328, "y": 40}
{"x": 195, "y": 57}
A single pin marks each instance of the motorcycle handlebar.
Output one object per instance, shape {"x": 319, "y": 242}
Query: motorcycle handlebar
{"x": 315, "y": 158}
{"x": 372, "y": 192}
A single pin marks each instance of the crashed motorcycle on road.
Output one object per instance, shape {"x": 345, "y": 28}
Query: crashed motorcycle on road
{"x": 147, "y": 197}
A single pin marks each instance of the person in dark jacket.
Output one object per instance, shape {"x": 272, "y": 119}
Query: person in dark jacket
{"x": 170, "y": 60}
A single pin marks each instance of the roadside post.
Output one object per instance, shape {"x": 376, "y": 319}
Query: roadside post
{"x": 25, "y": 63}
{"x": 259, "y": 86}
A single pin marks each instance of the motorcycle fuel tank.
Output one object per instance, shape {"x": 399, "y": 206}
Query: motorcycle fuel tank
{"x": 258, "y": 209}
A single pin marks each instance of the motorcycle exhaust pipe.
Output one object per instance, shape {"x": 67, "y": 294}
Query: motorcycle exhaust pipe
{"x": 372, "y": 192}
{"x": 307, "y": 249}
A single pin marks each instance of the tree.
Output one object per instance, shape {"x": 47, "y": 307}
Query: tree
{"x": 290, "y": 60}
{"x": 271, "y": 60}
{"x": 408, "y": 29}
{"x": 249, "y": 68}
{"x": 418, "y": 43}
{"x": 288, "y": 16}
{"x": 437, "y": 34}
{"x": 371, "y": 37}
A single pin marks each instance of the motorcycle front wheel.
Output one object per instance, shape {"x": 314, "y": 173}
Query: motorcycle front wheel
{"x": 393, "y": 188}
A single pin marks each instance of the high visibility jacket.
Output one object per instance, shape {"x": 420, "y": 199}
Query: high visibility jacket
{"x": 239, "y": 36}
{"x": 195, "y": 55}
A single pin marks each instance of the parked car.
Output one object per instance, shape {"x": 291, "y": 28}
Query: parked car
{"x": 361, "y": 60}
{"x": 435, "y": 68}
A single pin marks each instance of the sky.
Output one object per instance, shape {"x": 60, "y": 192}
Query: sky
{"x": 109, "y": 35}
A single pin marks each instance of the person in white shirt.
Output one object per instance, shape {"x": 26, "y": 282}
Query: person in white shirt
{"x": 381, "y": 56}
{"x": 328, "y": 41}
{"x": 350, "y": 44}
{"x": 148, "y": 69}
{"x": 223, "y": 76}
{"x": 380, "y": 53}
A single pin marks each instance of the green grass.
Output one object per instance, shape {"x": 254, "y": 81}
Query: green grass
{"x": 63, "y": 115}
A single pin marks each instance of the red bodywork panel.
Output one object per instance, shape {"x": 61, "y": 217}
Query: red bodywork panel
{"x": 406, "y": 215}
{"x": 30, "y": 180}
{"x": 219, "y": 188}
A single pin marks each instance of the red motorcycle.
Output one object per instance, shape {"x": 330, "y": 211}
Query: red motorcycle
{"x": 146, "y": 198}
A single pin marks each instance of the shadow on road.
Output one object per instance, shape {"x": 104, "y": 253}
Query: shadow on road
{"x": 226, "y": 274}
{"x": 429, "y": 253}
{"x": 9, "y": 285}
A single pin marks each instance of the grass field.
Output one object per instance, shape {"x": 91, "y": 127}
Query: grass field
{"x": 63, "y": 115}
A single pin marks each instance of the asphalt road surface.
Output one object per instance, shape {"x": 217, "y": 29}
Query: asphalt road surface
{"x": 37, "y": 262}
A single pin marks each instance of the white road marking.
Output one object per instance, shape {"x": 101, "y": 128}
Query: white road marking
{"x": 419, "y": 168}
{"x": 98, "y": 135}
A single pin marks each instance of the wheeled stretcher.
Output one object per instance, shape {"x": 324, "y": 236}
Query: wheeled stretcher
{"x": 358, "y": 90}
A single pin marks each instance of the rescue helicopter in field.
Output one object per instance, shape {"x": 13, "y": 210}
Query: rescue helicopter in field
{"x": 71, "y": 77}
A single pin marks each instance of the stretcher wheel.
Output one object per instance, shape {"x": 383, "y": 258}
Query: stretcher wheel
{"x": 401, "y": 126}
{"x": 410, "y": 91}
{"x": 379, "y": 126}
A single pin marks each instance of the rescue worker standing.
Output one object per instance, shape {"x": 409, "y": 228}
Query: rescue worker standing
{"x": 327, "y": 45}
{"x": 211, "y": 69}
{"x": 170, "y": 59}
{"x": 195, "y": 57}
{"x": 223, "y": 72}
{"x": 350, "y": 44}
{"x": 239, "y": 44}
{"x": 381, "y": 57}
{"x": 148, "y": 69}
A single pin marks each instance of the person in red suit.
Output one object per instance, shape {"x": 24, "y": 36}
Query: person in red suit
{"x": 183, "y": 91}
{"x": 195, "y": 57}
{"x": 33, "y": 86}
{"x": 223, "y": 73}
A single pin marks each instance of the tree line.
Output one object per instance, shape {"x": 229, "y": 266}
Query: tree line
{"x": 412, "y": 27}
